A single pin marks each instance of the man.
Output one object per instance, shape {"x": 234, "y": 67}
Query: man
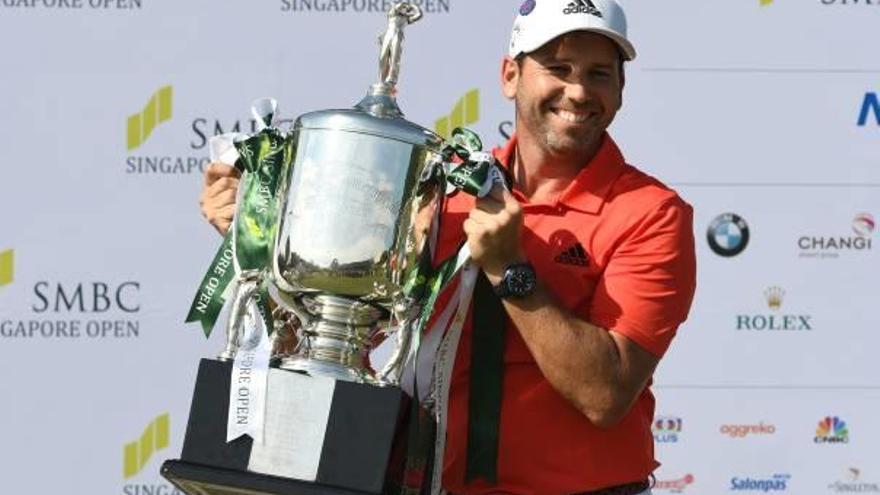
{"x": 592, "y": 259}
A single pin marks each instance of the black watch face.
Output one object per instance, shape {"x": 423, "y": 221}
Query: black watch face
{"x": 521, "y": 281}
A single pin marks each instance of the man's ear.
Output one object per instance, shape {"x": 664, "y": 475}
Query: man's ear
{"x": 510, "y": 70}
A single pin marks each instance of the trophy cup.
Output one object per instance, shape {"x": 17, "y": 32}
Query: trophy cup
{"x": 351, "y": 204}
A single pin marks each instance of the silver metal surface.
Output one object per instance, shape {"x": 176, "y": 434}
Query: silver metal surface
{"x": 346, "y": 239}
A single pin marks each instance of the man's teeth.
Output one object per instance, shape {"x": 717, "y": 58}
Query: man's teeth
{"x": 574, "y": 118}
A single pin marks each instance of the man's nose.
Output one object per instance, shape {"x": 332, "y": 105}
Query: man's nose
{"x": 578, "y": 92}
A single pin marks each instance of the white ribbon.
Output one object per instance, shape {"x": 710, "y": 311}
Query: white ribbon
{"x": 250, "y": 371}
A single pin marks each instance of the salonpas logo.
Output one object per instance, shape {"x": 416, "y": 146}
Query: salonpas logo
{"x": 465, "y": 112}
{"x": 7, "y": 267}
{"x": 775, "y": 319}
{"x": 854, "y": 484}
{"x": 775, "y": 483}
{"x": 157, "y": 110}
{"x": 832, "y": 429}
{"x": 136, "y": 454}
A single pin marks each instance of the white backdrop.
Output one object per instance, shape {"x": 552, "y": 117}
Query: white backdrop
{"x": 745, "y": 106}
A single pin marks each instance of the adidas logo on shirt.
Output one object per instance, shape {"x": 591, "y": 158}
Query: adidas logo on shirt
{"x": 582, "y": 7}
{"x": 576, "y": 255}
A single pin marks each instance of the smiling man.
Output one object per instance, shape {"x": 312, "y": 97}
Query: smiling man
{"x": 593, "y": 261}
{"x": 588, "y": 269}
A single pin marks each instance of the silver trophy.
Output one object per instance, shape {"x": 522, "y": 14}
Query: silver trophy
{"x": 349, "y": 234}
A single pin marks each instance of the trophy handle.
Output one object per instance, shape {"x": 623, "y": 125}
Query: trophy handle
{"x": 392, "y": 372}
{"x": 245, "y": 289}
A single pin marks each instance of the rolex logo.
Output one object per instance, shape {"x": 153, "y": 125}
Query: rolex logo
{"x": 774, "y": 296}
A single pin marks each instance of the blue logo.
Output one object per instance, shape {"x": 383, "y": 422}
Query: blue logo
{"x": 871, "y": 105}
{"x": 527, "y": 7}
{"x": 728, "y": 235}
{"x": 775, "y": 483}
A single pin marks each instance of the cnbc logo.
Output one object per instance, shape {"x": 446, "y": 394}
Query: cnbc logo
{"x": 832, "y": 429}
{"x": 465, "y": 112}
{"x": 136, "y": 454}
{"x": 157, "y": 110}
{"x": 7, "y": 267}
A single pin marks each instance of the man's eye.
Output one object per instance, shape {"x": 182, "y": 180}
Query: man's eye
{"x": 600, "y": 74}
{"x": 558, "y": 69}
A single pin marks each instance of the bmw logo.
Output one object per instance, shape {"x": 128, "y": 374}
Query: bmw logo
{"x": 728, "y": 235}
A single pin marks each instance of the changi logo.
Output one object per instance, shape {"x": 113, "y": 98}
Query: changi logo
{"x": 728, "y": 235}
{"x": 154, "y": 438}
{"x": 775, "y": 483}
{"x": 854, "y": 484}
{"x": 64, "y": 310}
{"x": 863, "y": 225}
{"x": 157, "y": 111}
{"x": 870, "y": 107}
{"x": 465, "y": 112}
{"x": 666, "y": 429}
{"x": 7, "y": 267}
{"x": 813, "y": 246}
{"x": 832, "y": 429}
{"x": 676, "y": 485}
{"x": 774, "y": 321}
{"x": 360, "y": 6}
{"x": 742, "y": 431}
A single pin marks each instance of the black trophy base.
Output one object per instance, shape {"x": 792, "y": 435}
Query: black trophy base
{"x": 195, "y": 479}
{"x": 322, "y": 437}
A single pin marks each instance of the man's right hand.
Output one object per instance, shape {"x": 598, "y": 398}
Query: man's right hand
{"x": 217, "y": 200}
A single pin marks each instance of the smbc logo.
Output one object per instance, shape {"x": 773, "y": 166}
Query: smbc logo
{"x": 142, "y": 124}
{"x": 7, "y": 272}
{"x": 465, "y": 112}
{"x": 154, "y": 438}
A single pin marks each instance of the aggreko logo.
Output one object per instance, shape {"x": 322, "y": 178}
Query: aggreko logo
{"x": 154, "y": 438}
{"x": 157, "y": 110}
{"x": 465, "y": 112}
{"x": 741, "y": 431}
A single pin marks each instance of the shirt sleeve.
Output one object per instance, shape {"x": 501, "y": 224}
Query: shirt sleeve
{"x": 648, "y": 284}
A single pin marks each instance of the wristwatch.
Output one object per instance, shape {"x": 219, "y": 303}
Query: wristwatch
{"x": 519, "y": 280}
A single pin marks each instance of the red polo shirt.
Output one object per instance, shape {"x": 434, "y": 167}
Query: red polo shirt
{"x": 616, "y": 248}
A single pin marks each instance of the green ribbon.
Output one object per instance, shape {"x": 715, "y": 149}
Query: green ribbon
{"x": 209, "y": 299}
{"x": 475, "y": 173}
{"x": 262, "y": 157}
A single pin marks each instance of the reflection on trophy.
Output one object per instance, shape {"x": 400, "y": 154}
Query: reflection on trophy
{"x": 354, "y": 216}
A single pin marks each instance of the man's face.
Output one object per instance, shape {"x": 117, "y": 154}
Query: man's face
{"x": 567, "y": 92}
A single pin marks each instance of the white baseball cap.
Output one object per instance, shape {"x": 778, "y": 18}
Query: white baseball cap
{"x": 540, "y": 21}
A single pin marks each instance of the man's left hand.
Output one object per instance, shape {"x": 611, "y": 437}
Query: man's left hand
{"x": 494, "y": 229}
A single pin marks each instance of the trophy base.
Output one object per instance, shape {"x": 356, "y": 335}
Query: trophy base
{"x": 336, "y": 371}
{"x": 321, "y": 436}
{"x": 195, "y": 479}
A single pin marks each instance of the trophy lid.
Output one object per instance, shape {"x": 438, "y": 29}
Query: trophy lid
{"x": 378, "y": 113}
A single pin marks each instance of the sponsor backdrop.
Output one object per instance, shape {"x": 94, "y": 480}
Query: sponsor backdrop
{"x": 764, "y": 114}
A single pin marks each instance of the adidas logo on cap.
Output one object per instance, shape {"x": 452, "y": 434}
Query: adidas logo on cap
{"x": 582, "y": 7}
